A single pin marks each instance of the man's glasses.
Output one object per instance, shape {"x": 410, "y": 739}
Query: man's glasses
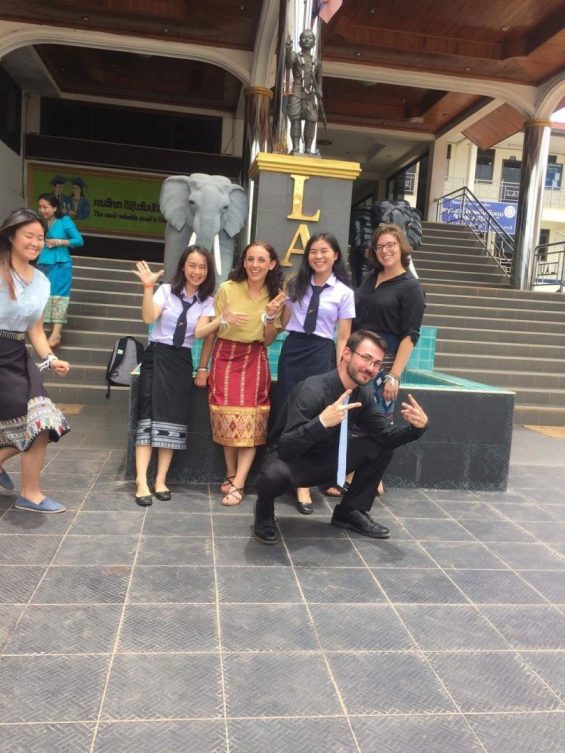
{"x": 373, "y": 364}
{"x": 388, "y": 246}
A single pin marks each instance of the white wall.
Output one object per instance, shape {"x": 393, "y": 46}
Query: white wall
{"x": 11, "y": 188}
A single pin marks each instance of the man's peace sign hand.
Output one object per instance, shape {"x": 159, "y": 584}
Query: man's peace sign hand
{"x": 335, "y": 413}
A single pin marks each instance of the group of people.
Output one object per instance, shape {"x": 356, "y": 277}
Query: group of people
{"x": 324, "y": 370}
{"x": 319, "y": 310}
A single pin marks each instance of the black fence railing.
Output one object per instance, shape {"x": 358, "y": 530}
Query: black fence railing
{"x": 549, "y": 266}
{"x": 461, "y": 207}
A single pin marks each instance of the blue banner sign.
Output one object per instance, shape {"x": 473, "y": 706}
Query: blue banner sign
{"x": 503, "y": 213}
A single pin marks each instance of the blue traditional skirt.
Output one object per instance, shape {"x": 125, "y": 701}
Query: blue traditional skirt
{"x": 60, "y": 277}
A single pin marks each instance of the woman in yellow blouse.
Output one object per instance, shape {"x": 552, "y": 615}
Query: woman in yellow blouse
{"x": 248, "y": 307}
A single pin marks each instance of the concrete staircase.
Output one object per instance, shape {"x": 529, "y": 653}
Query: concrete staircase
{"x": 105, "y": 305}
{"x": 489, "y": 332}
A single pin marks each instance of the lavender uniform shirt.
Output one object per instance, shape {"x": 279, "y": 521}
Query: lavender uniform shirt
{"x": 165, "y": 325}
{"x": 337, "y": 302}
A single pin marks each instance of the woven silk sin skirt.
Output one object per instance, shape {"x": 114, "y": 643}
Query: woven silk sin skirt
{"x": 25, "y": 408}
{"x": 240, "y": 380}
{"x": 165, "y": 383}
{"x": 60, "y": 277}
{"x": 302, "y": 356}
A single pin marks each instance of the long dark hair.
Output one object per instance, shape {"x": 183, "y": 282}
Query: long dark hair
{"x": 403, "y": 242}
{"x": 274, "y": 279}
{"x": 15, "y": 220}
{"x": 52, "y": 199}
{"x": 298, "y": 286}
{"x": 179, "y": 280}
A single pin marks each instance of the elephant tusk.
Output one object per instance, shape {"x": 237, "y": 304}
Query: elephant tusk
{"x": 192, "y": 240}
{"x": 217, "y": 255}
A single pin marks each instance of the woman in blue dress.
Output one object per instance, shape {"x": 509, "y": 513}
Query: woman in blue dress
{"x": 56, "y": 263}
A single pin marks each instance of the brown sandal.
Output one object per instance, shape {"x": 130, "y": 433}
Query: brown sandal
{"x": 226, "y": 485}
{"x": 233, "y": 497}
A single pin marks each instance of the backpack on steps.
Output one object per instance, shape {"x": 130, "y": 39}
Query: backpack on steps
{"x": 127, "y": 353}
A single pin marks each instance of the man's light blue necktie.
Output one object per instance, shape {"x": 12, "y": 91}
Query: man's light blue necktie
{"x": 342, "y": 451}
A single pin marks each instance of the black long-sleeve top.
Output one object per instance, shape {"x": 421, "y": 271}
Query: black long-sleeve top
{"x": 395, "y": 307}
{"x": 298, "y": 429}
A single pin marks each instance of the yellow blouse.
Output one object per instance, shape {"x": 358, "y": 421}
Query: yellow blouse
{"x": 235, "y": 296}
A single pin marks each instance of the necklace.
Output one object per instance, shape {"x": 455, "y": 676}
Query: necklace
{"x": 20, "y": 279}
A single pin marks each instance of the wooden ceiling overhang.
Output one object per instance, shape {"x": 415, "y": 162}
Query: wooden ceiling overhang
{"x": 518, "y": 42}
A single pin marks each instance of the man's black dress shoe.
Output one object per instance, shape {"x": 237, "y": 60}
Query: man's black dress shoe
{"x": 163, "y": 496}
{"x": 265, "y": 527}
{"x": 144, "y": 501}
{"x": 307, "y": 509}
{"x": 361, "y": 522}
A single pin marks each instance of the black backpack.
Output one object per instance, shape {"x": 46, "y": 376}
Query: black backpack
{"x": 127, "y": 353}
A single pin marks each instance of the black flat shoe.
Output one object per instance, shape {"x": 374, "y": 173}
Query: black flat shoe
{"x": 144, "y": 501}
{"x": 163, "y": 496}
{"x": 305, "y": 509}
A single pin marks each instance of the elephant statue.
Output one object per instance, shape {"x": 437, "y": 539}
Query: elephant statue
{"x": 364, "y": 221}
{"x": 208, "y": 210}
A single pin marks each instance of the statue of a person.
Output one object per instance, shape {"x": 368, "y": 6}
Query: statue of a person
{"x": 306, "y": 91}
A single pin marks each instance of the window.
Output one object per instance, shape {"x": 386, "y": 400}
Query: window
{"x": 10, "y": 112}
{"x": 485, "y": 165}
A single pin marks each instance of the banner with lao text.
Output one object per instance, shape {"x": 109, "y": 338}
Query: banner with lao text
{"x": 101, "y": 202}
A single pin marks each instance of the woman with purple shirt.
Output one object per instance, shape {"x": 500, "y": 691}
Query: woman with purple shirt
{"x": 166, "y": 368}
{"x": 318, "y": 313}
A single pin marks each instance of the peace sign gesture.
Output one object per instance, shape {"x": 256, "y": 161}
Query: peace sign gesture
{"x": 335, "y": 412}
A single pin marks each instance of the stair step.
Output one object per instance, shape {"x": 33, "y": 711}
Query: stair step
{"x": 550, "y": 397}
{"x": 119, "y": 326}
{"x": 450, "y": 361}
{"x": 497, "y": 335}
{"x": 103, "y": 340}
{"x": 539, "y": 415}
{"x": 100, "y": 261}
{"x": 83, "y": 294}
{"x": 107, "y": 283}
{"x": 481, "y": 309}
{"x": 472, "y": 348}
{"x": 117, "y": 310}
{"x": 502, "y": 292}
{"x": 471, "y": 322}
{"x": 434, "y": 298}
{"x": 87, "y": 394}
{"x": 512, "y": 380}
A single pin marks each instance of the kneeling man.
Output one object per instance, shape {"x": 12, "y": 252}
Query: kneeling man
{"x": 311, "y": 443}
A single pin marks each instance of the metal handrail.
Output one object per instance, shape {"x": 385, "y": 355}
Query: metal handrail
{"x": 466, "y": 209}
{"x": 549, "y": 265}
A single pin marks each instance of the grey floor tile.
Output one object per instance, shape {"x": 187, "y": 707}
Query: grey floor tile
{"x": 46, "y": 738}
{"x": 323, "y": 553}
{"x": 547, "y": 531}
{"x": 529, "y": 556}
{"x": 495, "y": 587}
{"x": 232, "y": 526}
{"x": 96, "y": 550}
{"x": 63, "y": 688}
{"x": 267, "y": 627}
{"x": 172, "y": 584}
{"x": 522, "y": 513}
{"x": 290, "y": 735}
{"x": 423, "y": 529}
{"x": 161, "y": 686}
{"x": 394, "y": 554}
{"x": 361, "y": 627}
{"x": 550, "y": 584}
{"x": 18, "y": 583}
{"x": 177, "y": 524}
{"x": 463, "y": 554}
{"x": 257, "y": 585}
{"x": 442, "y": 495}
{"x": 229, "y": 552}
{"x": 274, "y": 685}
{"x": 415, "y": 508}
{"x": 309, "y": 527}
{"x": 9, "y": 614}
{"x": 56, "y": 629}
{"x": 450, "y": 628}
{"x": 418, "y": 586}
{"x": 520, "y": 733}
{"x": 383, "y": 683}
{"x": 470, "y": 510}
{"x": 207, "y": 736}
{"x": 20, "y": 549}
{"x": 339, "y": 585}
{"x": 496, "y": 530}
{"x": 175, "y": 550}
{"x": 488, "y": 682}
{"x": 169, "y": 628}
{"x": 83, "y": 585}
{"x": 111, "y": 501}
{"x": 96, "y": 523}
{"x": 415, "y": 734}
{"x": 184, "y": 500}
{"x": 64, "y": 481}
{"x": 531, "y": 627}
{"x": 22, "y": 521}
{"x": 550, "y": 665}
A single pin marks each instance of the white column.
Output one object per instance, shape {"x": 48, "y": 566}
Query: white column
{"x": 437, "y": 170}
{"x": 471, "y": 167}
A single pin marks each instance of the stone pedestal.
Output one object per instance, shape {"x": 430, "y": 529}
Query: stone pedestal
{"x": 295, "y": 197}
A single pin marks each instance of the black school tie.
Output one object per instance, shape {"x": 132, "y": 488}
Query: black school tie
{"x": 312, "y": 314}
{"x": 180, "y": 329}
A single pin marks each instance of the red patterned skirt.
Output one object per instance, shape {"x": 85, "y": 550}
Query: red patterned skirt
{"x": 239, "y": 382}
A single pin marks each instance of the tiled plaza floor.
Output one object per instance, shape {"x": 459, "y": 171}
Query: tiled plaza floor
{"x": 170, "y": 629}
